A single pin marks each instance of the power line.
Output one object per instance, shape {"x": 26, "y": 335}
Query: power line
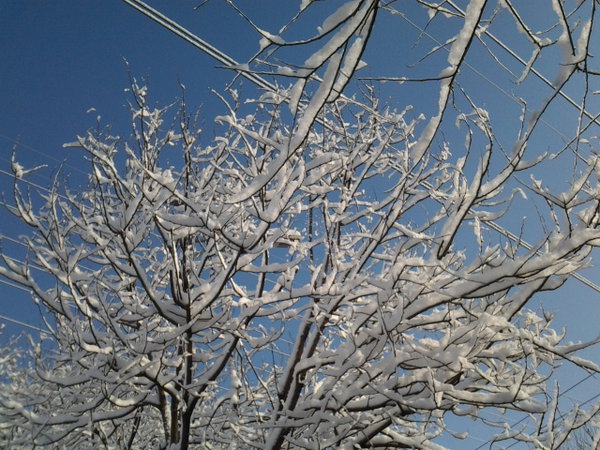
{"x": 19, "y": 322}
{"x": 261, "y": 82}
{"x": 23, "y": 324}
{"x": 30, "y": 183}
{"x": 40, "y": 152}
{"x": 199, "y": 43}
{"x": 536, "y": 72}
{"x": 513, "y": 237}
{"x": 494, "y": 225}
{"x": 524, "y": 418}
{"x": 476, "y": 71}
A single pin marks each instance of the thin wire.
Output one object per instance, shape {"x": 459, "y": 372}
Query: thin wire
{"x": 590, "y": 375}
{"x": 15, "y": 321}
{"x": 23, "y": 324}
{"x": 15, "y": 285}
{"x": 494, "y": 225}
{"x": 476, "y": 71}
{"x": 30, "y": 183}
{"x": 230, "y": 62}
{"x": 582, "y": 404}
{"x": 8, "y": 238}
{"x": 179, "y": 31}
{"x": 508, "y": 50}
{"x": 40, "y": 152}
{"x": 199, "y": 43}
{"x": 513, "y": 237}
{"x": 29, "y": 264}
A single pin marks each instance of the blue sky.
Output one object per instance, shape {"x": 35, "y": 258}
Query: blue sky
{"x": 61, "y": 58}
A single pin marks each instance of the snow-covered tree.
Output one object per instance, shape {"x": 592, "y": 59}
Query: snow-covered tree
{"x": 329, "y": 271}
{"x": 585, "y": 438}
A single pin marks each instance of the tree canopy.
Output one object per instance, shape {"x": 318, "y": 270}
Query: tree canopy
{"x": 331, "y": 270}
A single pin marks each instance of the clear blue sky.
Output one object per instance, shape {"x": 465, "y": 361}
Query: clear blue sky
{"x": 61, "y": 58}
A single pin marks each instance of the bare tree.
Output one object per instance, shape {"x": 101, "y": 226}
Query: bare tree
{"x": 321, "y": 275}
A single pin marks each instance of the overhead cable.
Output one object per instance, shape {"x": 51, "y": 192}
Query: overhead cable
{"x": 199, "y": 43}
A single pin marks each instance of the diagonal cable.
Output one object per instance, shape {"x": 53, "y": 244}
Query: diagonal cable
{"x": 199, "y": 43}
{"x": 537, "y": 73}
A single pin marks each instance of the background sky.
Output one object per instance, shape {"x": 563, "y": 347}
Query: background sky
{"x": 59, "y": 59}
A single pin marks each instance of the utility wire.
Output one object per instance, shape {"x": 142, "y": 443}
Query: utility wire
{"x": 30, "y": 183}
{"x": 40, "y": 152}
{"x": 587, "y": 377}
{"x": 476, "y": 71}
{"x": 199, "y": 43}
{"x": 229, "y": 62}
{"x": 494, "y": 225}
{"x": 261, "y": 82}
{"x": 23, "y": 324}
{"x": 536, "y": 72}
{"x": 15, "y": 321}
{"x": 513, "y": 237}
